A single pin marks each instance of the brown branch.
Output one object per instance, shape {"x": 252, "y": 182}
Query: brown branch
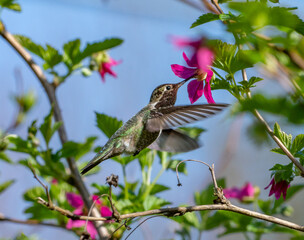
{"x": 178, "y": 211}
{"x": 50, "y": 91}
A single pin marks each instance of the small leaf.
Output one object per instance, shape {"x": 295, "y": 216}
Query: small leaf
{"x": 152, "y": 202}
{"x": 98, "y": 47}
{"x": 10, "y": 4}
{"x": 71, "y": 52}
{"x": 208, "y": 17}
{"x": 108, "y": 125}
{"x": 285, "y": 138}
{"x": 77, "y": 150}
{"x": 181, "y": 168}
{"x": 297, "y": 144}
{"x": 4, "y": 157}
{"x": 51, "y": 57}
{"x": 30, "y": 45}
{"x": 5, "y": 185}
{"x": 157, "y": 188}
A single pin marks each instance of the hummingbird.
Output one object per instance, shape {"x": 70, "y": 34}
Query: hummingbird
{"x": 152, "y": 126}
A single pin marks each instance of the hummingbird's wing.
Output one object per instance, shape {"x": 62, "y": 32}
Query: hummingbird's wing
{"x": 173, "y": 141}
{"x": 170, "y": 117}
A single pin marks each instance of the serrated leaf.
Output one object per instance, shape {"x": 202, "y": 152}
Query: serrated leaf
{"x": 285, "y": 138}
{"x": 51, "y": 57}
{"x": 108, "y": 125}
{"x": 30, "y": 45}
{"x": 297, "y": 144}
{"x": 71, "y": 52}
{"x": 48, "y": 129}
{"x": 77, "y": 150}
{"x": 10, "y": 4}
{"x": 6, "y": 185}
{"x": 278, "y": 150}
{"x": 98, "y": 47}
{"x": 208, "y": 17}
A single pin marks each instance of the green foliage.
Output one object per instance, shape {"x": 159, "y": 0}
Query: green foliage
{"x": 282, "y": 106}
{"x": 108, "y": 125}
{"x": 10, "y": 4}
{"x": 6, "y": 185}
{"x": 258, "y": 15}
{"x": 228, "y": 58}
{"x": 47, "y": 128}
{"x": 285, "y": 138}
{"x": 193, "y": 132}
{"x": 208, "y": 17}
{"x": 283, "y": 172}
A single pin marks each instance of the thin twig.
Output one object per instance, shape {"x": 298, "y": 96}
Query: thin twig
{"x": 121, "y": 225}
{"x": 218, "y": 192}
{"x": 50, "y": 91}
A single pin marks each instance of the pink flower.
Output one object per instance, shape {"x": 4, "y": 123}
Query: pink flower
{"x": 244, "y": 194}
{"x": 76, "y": 201}
{"x": 105, "y": 67}
{"x": 181, "y": 42}
{"x": 278, "y": 188}
{"x": 54, "y": 181}
{"x": 199, "y": 65}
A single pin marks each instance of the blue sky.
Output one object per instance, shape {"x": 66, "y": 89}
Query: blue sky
{"x": 146, "y": 55}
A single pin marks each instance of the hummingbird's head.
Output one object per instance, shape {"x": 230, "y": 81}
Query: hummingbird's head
{"x": 165, "y": 94}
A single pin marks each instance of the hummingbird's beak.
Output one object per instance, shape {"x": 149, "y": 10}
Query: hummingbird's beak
{"x": 184, "y": 81}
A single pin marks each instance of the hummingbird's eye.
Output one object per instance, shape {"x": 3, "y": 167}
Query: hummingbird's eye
{"x": 168, "y": 87}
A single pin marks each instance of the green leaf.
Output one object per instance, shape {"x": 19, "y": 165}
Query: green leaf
{"x": 47, "y": 129}
{"x": 108, "y": 125}
{"x": 10, "y": 4}
{"x": 4, "y": 157}
{"x": 77, "y": 150}
{"x": 32, "y": 194}
{"x": 191, "y": 219}
{"x": 5, "y": 185}
{"x": 71, "y": 52}
{"x": 157, "y": 188}
{"x": 181, "y": 168}
{"x": 51, "y": 57}
{"x": 152, "y": 202}
{"x": 98, "y": 47}
{"x": 283, "y": 172}
{"x": 193, "y": 132}
{"x": 30, "y": 45}
{"x": 265, "y": 206}
{"x": 208, "y": 17}
{"x": 285, "y": 138}
{"x": 297, "y": 144}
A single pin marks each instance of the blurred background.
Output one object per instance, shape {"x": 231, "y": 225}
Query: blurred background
{"x": 146, "y": 56}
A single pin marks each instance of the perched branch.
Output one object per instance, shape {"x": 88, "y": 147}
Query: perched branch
{"x": 177, "y": 211}
{"x": 50, "y": 91}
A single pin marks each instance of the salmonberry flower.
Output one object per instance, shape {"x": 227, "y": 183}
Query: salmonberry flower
{"x": 244, "y": 194}
{"x": 106, "y": 68}
{"x": 278, "y": 188}
{"x": 199, "y": 65}
{"x": 76, "y": 201}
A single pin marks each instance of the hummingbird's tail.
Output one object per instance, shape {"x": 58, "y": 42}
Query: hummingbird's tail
{"x": 99, "y": 157}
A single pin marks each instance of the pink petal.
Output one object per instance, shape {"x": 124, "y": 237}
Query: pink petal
{"x": 204, "y": 58}
{"x": 182, "y": 72}
{"x": 105, "y": 211}
{"x": 74, "y": 200}
{"x": 231, "y": 192}
{"x": 91, "y": 230}
{"x": 107, "y": 68}
{"x": 207, "y": 88}
{"x": 182, "y": 42}
{"x": 195, "y": 90}
{"x": 192, "y": 62}
{"x": 113, "y": 62}
{"x": 247, "y": 191}
{"x": 271, "y": 183}
{"x": 75, "y": 223}
{"x": 96, "y": 199}
{"x": 78, "y": 211}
